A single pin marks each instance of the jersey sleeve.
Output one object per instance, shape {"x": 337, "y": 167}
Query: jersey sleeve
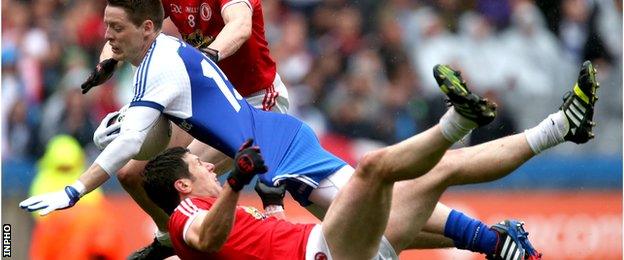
{"x": 138, "y": 121}
{"x": 225, "y": 3}
{"x": 167, "y": 8}
{"x": 159, "y": 81}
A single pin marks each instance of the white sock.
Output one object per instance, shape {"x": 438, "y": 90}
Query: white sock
{"x": 455, "y": 126}
{"x": 548, "y": 133}
{"x": 163, "y": 238}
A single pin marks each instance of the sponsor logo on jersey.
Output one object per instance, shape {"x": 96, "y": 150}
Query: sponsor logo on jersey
{"x": 253, "y": 212}
{"x": 176, "y": 9}
{"x": 205, "y": 12}
{"x": 191, "y": 9}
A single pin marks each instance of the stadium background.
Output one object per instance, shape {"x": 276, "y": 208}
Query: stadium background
{"x": 359, "y": 71}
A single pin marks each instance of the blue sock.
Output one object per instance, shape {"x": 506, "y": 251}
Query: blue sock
{"x": 471, "y": 234}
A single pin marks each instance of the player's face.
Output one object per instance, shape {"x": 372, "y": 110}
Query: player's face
{"x": 206, "y": 182}
{"x": 126, "y": 39}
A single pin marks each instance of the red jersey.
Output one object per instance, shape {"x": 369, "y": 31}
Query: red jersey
{"x": 250, "y": 68}
{"x": 253, "y": 235}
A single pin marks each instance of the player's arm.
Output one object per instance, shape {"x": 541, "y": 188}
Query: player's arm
{"x": 210, "y": 232}
{"x": 210, "y": 229}
{"x": 137, "y": 123}
{"x": 237, "y": 29}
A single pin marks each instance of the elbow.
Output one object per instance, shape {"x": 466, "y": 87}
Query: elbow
{"x": 245, "y": 29}
{"x": 132, "y": 142}
{"x": 211, "y": 245}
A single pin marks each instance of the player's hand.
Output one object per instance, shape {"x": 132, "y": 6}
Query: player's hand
{"x": 271, "y": 195}
{"x": 102, "y": 72}
{"x": 211, "y": 53}
{"x": 105, "y": 133}
{"x": 247, "y": 163}
{"x": 49, "y": 202}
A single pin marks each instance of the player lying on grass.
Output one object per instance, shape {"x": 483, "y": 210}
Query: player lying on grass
{"x": 176, "y": 79}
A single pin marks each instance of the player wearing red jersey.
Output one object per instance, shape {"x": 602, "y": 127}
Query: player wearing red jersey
{"x": 231, "y": 33}
{"x": 206, "y": 222}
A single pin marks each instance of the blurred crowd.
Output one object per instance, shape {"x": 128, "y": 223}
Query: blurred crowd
{"x": 355, "y": 69}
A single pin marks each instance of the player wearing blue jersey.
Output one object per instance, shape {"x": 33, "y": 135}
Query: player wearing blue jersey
{"x": 180, "y": 82}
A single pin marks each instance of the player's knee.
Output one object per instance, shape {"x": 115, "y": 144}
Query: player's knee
{"x": 373, "y": 165}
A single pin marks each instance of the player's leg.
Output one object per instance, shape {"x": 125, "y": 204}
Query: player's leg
{"x": 496, "y": 159}
{"x": 490, "y": 161}
{"x": 361, "y": 208}
{"x": 413, "y": 204}
{"x": 362, "y": 211}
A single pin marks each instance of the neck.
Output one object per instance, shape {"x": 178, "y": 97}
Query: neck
{"x": 150, "y": 39}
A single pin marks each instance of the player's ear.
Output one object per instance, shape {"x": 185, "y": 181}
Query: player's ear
{"x": 148, "y": 27}
{"x": 183, "y": 185}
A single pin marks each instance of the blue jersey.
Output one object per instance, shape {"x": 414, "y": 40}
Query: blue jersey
{"x": 193, "y": 92}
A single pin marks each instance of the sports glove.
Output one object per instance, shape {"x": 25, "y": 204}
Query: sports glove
{"x": 102, "y": 72}
{"x": 271, "y": 195}
{"x": 52, "y": 201}
{"x": 106, "y": 133}
{"x": 211, "y": 53}
{"x": 247, "y": 163}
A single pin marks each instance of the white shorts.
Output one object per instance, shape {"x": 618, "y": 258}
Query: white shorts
{"x": 273, "y": 99}
{"x": 317, "y": 249}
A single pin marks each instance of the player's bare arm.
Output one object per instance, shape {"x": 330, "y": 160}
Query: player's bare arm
{"x": 237, "y": 29}
{"x": 209, "y": 230}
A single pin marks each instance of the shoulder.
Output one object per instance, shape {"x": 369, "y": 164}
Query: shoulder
{"x": 162, "y": 61}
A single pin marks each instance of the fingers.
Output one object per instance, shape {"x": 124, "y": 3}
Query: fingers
{"x": 30, "y": 201}
{"x": 111, "y": 129}
{"x": 246, "y": 144}
{"x": 33, "y": 204}
{"x": 109, "y": 116}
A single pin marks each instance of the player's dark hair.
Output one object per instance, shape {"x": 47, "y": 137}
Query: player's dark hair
{"x": 141, "y": 10}
{"x": 160, "y": 174}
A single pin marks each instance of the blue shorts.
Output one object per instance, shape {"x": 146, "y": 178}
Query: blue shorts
{"x": 303, "y": 166}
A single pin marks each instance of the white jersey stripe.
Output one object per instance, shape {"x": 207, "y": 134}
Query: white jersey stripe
{"x": 184, "y": 205}
{"x": 183, "y": 211}
{"x": 137, "y": 81}
{"x": 142, "y": 73}
{"x": 149, "y": 60}
{"x": 190, "y": 203}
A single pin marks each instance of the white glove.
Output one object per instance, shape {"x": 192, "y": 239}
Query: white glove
{"x": 105, "y": 134}
{"x": 51, "y": 201}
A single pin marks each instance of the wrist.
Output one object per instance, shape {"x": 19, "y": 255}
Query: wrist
{"x": 213, "y": 54}
{"x": 235, "y": 184}
{"x": 79, "y": 187}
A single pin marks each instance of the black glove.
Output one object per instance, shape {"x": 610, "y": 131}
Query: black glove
{"x": 271, "y": 195}
{"x": 247, "y": 163}
{"x": 102, "y": 72}
{"x": 211, "y": 53}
